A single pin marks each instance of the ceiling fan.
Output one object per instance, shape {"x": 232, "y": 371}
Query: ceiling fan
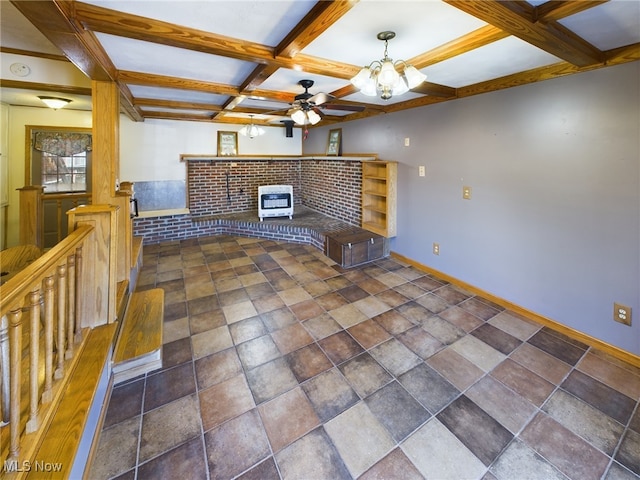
{"x": 305, "y": 108}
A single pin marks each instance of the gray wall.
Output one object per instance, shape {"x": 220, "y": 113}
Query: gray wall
{"x": 554, "y": 220}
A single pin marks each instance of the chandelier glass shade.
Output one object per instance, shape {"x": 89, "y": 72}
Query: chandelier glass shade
{"x": 54, "y": 102}
{"x": 382, "y": 76}
{"x": 252, "y": 130}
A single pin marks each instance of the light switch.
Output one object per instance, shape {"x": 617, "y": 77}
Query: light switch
{"x": 421, "y": 171}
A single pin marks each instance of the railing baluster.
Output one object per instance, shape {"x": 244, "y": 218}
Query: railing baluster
{"x": 62, "y": 318}
{"x": 48, "y": 339}
{"x": 71, "y": 305}
{"x": 34, "y": 356}
{"x": 77, "y": 297}
{"x": 59, "y": 223}
{"x": 5, "y": 393}
{"x": 15, "y": 346}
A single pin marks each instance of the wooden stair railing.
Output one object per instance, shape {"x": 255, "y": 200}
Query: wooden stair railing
{"x": 43, "y": 340}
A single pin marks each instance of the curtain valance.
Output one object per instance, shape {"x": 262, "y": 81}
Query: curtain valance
{"x": 62, "y": 144}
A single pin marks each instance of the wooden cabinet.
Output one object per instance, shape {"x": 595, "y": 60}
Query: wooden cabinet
{"x": 379, "y": 180}
{"x": 355, "y": 247}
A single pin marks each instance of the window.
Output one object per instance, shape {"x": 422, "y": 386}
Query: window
{"x": 64, "y": 173}
{"x": 60, "y": 159}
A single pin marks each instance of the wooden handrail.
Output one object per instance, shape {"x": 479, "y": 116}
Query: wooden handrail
{"x": 14, "y": 288}
{"x": 39, "y": 341}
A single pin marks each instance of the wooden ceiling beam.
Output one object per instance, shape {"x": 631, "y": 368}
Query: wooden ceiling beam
{"x": 558, "y": 10}
{"x": 518, "y": 21}
{"x": 154, "y": 102}
{"x": 318, "y": 20}
{"x": 149, "y": 79}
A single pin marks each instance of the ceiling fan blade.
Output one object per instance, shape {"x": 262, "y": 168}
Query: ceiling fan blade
{"x": 318, "y": 111}
{"x": 320, "y": 98}
{"x": 346, "y": 108}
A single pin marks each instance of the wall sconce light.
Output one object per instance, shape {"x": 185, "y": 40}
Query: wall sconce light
{"x": 54, "y": 102}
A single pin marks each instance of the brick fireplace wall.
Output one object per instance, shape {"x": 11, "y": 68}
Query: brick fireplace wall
{"x": 207, "y": 184}
{"x": 331, "y": 186}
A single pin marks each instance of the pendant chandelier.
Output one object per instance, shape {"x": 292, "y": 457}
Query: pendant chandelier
{"x": 382, "y": 76}
{"x": 252, "y": 130}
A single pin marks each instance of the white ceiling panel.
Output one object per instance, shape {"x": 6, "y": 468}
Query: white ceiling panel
{"x": 266, "y": 21}
{"x": 495, "y": 60}
{"x": 353, "y": 38}
{"x": 622, "y": 17}
{"x": 140, "y": 56}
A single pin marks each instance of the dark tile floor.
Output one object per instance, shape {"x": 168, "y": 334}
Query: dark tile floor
{"x": 279, "y": 364}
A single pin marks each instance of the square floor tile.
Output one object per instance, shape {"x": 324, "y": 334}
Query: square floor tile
{"x": 598, "y": 429}
{"x": 308, "y": 362}
{"x": 168, "y": 426}
{"x": 257, "y": 351}
{"x": 397, "y": 410}
{"x": 185, "y": 461}
{"x": 395, "y": 357}
{"x": 211, "y": 341}
{"x": 236, "y": 445}
{"x": 365, "y": 374}
{"x": 479, "y": 432}
{"x": 312, "y": 455}
{"x": 270, "y": 380}
{"x": 455, "y": 368}
{"x": 394, "y": 465}
{"x": 359, "y": 438}
{"x": 369, "y": 333}
{"x": 340, "y": 347}
{"x": 321, "y": 326}
{"x": 287, "y": 418}
{"x": 330, "y": 394}
{"x": 438, "y": 453}
{"x": 429, "y": 387}
{"x": 217, "y": 368}
{"x": 566, "y": 451}
{"x": 224, "y": 401}
{"x": 291, "y": 338}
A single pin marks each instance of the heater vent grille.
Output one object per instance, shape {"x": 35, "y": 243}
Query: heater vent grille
{"x": 275, "y": 201}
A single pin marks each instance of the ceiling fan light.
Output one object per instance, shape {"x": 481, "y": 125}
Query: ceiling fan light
{"x": 54, "y": 102}
{"x": 299, "y": 117}
{"x": 388, "y": 76}
{"x": 362, "y": 78}
{"x": 414, "y": 76}
{"x": 313, "y": 117}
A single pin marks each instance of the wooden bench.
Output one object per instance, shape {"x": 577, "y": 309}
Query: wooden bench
{"x": 139, "y": 346}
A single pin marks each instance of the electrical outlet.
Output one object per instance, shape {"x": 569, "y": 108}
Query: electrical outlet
{"x": 421, "y": 171}
{"x": 407, "y": 141}
{"x": 466, "y": 193}
{"x": 622, "y": 313}
{"x": 436, "y": 248}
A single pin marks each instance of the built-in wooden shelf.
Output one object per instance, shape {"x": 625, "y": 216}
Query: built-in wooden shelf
{"x": 379, "y": 179}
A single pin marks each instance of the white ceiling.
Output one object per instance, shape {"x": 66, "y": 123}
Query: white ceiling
{"x": 348, "y": 39}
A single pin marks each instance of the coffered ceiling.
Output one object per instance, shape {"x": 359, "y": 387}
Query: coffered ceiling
{"x": 222, "y": 61}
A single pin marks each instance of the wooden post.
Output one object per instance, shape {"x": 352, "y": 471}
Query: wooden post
{"x": 71, "y": 305}
{"x": 62, "y": 318}
{"x": 105, "y": 160}
{"x": 99, "y": 264}
{"x": 31, "y": 215}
